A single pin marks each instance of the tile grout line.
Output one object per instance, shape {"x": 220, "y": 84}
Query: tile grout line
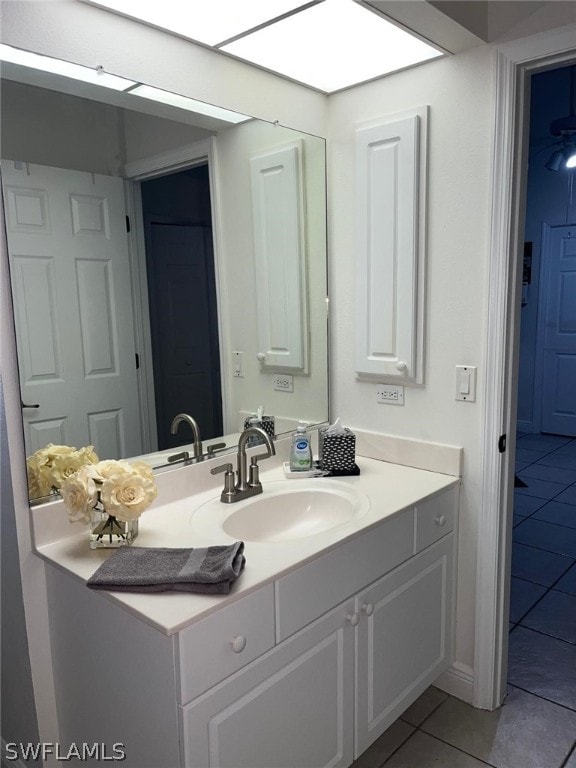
{"x": 548, "y": 589}
{"x": 569, "y": 755}
{"x": 543, "y": 698}
{"x": 545, "y": 634}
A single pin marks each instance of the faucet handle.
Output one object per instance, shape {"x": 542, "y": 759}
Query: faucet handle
{"x": 211, "y": 449}
{"x": 183, "y": 455}
{"x": 229, "y": 491}
{"x": 222, "y": 468}
{"x": 254, "y": 472}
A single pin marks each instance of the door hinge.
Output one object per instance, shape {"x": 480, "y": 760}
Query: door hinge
{"x": 137, "y": 356}
{"x": 502, "y": 444}
{"x": 127, "y": 223}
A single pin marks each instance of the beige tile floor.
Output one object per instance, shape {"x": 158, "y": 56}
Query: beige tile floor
{"x": 536, "y": 725}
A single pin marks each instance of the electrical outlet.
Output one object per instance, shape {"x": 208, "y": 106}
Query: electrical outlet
{"x": 283, "y": 382}
{"x": 390, "y": 394}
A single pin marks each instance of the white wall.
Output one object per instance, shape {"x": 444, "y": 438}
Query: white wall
{"x": 76, "y": 133}
{"x": 147, "y": 135}
{"x": 460, "y": 94}
{"x": 239, "y": 281}
{"x": 19, "y": 721}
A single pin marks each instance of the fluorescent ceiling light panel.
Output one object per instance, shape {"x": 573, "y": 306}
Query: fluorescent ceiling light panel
{"x": 183, "y": 102}
{"x": 209, "y": 22}
{"x": 332, "y": 45}
{"x": 64, "y": 68}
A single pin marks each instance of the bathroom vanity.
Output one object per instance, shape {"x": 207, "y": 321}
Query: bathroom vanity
{"x": 324, "y": 641}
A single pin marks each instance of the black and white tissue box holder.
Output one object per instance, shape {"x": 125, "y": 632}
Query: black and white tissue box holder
{"x": 337, "y": 453}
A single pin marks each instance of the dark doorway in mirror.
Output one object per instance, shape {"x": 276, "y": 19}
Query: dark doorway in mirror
{"x": 183, "y": 303}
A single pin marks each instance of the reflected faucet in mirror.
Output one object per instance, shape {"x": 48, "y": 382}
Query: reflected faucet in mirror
{"x": 176, "y": 421}
{"x": 247, "y": 480}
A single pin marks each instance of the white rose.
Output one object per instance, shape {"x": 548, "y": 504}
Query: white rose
{"x": 142, "y": 468}
{"x": 66, "y": 464}
{"x": 107, "y": 468}
{"x": 126, "y": 495}
{"x": 39, "y": 481}
{"x": 80, "y": 494}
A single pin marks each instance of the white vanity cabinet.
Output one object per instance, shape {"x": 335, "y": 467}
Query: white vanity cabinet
{"x": 304, "y": 672}
{"x": 339, "y": 676}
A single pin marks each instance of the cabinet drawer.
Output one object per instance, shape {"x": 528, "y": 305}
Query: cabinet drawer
{"x": 316, "y": 587}
{"x": 220, "y": 644}
{"x": 435, "y": 518}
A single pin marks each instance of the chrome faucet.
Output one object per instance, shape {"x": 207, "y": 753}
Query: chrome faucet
{"x": 247, "y": 480}
{"x": 177, "y": 420}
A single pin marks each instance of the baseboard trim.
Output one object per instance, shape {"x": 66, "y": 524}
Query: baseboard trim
{"x": 458, "y": 681}
{"x": 524, "y": 426}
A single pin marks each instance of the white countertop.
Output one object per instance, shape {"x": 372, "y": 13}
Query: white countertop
{"x": 389, "y": 487}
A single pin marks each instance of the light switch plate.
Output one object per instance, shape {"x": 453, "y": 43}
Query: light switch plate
{"x": 237, "y": 367}
{"x": 466, "y": 383}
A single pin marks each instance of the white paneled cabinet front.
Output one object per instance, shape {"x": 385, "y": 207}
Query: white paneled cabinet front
{"x": 404, "y": 638}
{"x": 390, "y": 241}
{"x": 293, "y": 708}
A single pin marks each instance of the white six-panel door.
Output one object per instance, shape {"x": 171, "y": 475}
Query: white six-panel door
{"x": 559, "y": 331}
{"x": 73, "y": 308}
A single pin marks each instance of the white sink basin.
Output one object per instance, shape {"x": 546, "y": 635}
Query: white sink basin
{"x": 286, "y": 511}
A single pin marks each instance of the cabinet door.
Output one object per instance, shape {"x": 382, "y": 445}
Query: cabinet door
{"x": 404, "y": 638}
{"x": 292, "y": 708}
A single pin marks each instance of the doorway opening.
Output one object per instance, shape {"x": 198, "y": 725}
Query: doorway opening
{"x": 542, "y": 641}
{"x": 181, "y": 284}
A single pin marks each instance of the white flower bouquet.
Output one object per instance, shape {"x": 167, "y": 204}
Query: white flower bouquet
{"x": 49, "y": 467}
{"x": 120, "y": 488}
{"x": 109, "y": 497}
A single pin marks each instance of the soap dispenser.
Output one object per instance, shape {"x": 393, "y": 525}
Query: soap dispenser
{"x": 301, "y": 451}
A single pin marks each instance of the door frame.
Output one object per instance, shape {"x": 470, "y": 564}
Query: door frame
{"x": 514, "y": 64}
{"x": 180, "y": 159}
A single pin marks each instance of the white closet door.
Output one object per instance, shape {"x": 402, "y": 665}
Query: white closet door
{"x": 390, "y": 187}
{"x": 73, "y": 310}
{"x": 277, "y": 206}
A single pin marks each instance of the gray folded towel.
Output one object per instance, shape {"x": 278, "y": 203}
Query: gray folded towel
{"x": 211, "y": 570}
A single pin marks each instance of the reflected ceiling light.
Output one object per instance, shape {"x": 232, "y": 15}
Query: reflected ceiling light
{"x": 209, "y": 22}
{"x": 95, "y": 76}
{"x": 183, "y": 102}
{"x": 333, "y": 45}
{"x": 565, "y": 128}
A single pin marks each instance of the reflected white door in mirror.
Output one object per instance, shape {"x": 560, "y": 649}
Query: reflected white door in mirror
{"x": 73, "y": 308}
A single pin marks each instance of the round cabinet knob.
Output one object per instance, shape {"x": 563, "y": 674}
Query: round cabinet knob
{"x": 368, "y": 609}
{"x": 261, "y": 356}
{"x": 352, "y": 618}
{"x": 440, "y": 520}
{"x": 401, "y": 365}
{"x": 238, "y": 643}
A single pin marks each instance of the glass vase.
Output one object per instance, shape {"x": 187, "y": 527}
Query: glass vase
{"x": 107, "y": 531}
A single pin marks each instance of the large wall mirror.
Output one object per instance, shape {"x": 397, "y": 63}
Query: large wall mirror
{"x": 161, "y": 262}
